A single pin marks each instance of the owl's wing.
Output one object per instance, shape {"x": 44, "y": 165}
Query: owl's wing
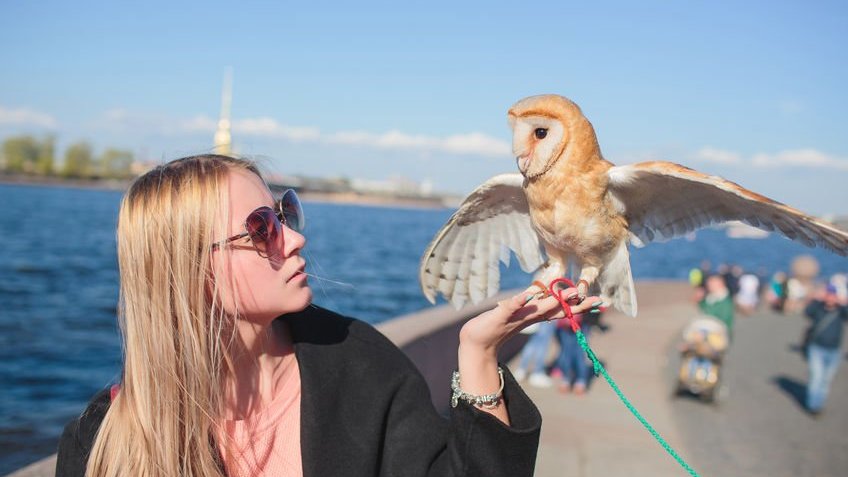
{"x": 461, "y": 263}
{"x": 662, "y": 200}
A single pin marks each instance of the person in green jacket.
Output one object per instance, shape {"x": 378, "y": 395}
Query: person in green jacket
{"x": 716, "y": 301}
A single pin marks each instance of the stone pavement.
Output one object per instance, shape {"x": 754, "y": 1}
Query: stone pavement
{"x": 595, "y": 434}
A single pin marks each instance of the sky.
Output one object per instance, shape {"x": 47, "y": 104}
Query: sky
{"x": 753, "y": 92}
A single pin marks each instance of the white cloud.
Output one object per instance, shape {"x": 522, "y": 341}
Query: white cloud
{"x": 709, "y": 154}
{"x": 26, "y": 117}
{"x": 471, "y": 143}
{"x": 269, "y": 127}
{"x": 800, "y": 158}
{"x": 807, "y": 158}
{"x": 198, "y": 124}
{"x": 477, "y": 143}
{"x": 388, "y": 140}
{"x": 125, "y": 121}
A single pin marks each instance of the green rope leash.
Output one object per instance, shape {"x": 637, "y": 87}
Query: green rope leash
{"x": 601, "y": 371}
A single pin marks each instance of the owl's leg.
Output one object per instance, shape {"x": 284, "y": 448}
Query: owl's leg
{"x": 588, "y": 275}
{"x": 549, "y": 271}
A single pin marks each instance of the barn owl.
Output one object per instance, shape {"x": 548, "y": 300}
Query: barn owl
{"x": 568, "y": 206}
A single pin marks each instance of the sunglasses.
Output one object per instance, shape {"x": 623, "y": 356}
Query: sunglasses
{"x": 264, "y": 225}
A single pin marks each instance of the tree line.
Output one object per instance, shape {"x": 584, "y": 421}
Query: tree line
{"x": 37, "y": 156}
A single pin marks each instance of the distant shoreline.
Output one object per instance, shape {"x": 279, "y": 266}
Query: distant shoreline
{"x": 373, "y": 200}
{"x": 349, "y": 198}
{"x": 54, "y": 181}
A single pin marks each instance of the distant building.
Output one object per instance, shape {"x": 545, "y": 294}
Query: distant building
{"x": 138, "y": 168}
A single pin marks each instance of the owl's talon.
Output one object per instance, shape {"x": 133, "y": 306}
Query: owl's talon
{"x": 574, "y": 299}
{"x": 543, "y": 290}
{"x": 582, "y": 289}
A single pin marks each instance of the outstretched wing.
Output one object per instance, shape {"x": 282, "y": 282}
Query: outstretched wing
{"x": 461, "y": 263}
{"x": 663, "y": 200}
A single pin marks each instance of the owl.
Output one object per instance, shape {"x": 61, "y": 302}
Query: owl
{"x": 569, "y": 207}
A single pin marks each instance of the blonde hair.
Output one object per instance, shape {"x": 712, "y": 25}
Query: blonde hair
{"x": 163, "y": 421}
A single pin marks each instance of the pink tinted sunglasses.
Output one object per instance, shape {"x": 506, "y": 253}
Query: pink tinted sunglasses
{"x": 264, "y": 225}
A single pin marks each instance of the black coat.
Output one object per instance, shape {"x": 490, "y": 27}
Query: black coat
{"x": 366, "y": 411}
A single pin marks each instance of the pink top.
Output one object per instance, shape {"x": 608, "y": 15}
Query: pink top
{"x": 268, "y": 442}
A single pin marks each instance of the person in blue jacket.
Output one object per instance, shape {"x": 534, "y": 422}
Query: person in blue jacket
{"x": 824, "y": 340}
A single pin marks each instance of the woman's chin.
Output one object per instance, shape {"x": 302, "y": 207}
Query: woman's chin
{"x": 299, "y": 301}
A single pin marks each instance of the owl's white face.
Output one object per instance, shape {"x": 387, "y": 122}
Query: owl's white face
{"x": 536, "y": 142}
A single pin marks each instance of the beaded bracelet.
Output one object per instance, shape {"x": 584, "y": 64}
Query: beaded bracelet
{"x": 487, "y": 401}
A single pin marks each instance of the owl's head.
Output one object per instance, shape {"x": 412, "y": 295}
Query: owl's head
{"x": 544, "y": 128}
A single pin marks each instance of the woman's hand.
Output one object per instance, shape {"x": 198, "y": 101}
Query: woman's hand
{"x": 482, "y": 336}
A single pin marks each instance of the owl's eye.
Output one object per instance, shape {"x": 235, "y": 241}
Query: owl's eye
{"x": 541, "y": 133}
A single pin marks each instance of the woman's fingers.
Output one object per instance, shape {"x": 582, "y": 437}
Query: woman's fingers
{"x": 535, "y": 309}
{"x": 588, "y": 305}
{"x": 549, "y": 308}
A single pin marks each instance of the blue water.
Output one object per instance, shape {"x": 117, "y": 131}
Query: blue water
{"x": 59, "y": 290}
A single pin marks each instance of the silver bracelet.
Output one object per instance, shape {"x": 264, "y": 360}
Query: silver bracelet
{"x": 487, "y": 401}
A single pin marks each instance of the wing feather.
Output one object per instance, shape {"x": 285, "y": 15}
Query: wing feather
{"x": 493, "y": 277}
{"x": 478, "y": 286}
{"x": 664, "y": 200}
{"x": 461, "y": 291}
{"x": 461, "y": 262}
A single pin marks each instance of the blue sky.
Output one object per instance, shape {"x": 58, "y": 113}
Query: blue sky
{"x": 754, "y": 92}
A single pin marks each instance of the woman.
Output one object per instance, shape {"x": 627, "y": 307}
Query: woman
{"x": 228, "y": 369}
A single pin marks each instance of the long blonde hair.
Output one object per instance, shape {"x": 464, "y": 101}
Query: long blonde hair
{"x": 174, "y": 335}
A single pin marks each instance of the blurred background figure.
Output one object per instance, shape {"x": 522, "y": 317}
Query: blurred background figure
{"x": 731, "y": 279}
{"x": 705, "y": 340}
{"x": 824, "y": 340}
{"x": 532, "y": 360}
{"x": 840, "y": 283}
{"x": 715, "y": 301}
{"x": 804, "y": 273}
{"x": 777, "y": 292}
{"x": 571, "y": 367}
{"x": 697, "y": 276}
{"x": 749, "y": 293}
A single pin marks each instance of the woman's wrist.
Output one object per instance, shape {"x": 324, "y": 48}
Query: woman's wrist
{"x": 479, "y": 376}
{"x": 478, "y": 367}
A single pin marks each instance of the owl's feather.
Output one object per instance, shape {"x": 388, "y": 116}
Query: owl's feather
{"x": 662, "y": 200}
{"x": 462, "y": 261}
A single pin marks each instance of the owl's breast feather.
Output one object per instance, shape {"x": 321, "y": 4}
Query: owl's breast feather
{"x": 576, "y": 227}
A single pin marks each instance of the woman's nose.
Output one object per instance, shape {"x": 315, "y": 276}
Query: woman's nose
{"x": 292, "y": 242}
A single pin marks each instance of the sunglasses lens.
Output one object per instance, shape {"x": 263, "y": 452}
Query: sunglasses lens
{"x": 264, "y": 228}
{"x": 292, "y": 211}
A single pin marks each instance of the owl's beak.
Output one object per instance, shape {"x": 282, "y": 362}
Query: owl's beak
{"x": 523, "y": 163}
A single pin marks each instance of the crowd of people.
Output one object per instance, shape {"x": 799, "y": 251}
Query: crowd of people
{"x": 721, "y": 293}
{"x": 823, "y": 302}
{"x": 782, "y": 292}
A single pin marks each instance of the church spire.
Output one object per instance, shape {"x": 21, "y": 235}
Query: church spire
{"x": 223, "y": 140}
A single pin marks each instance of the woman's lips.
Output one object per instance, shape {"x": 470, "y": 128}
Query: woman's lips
{"x": 299, "y": 273}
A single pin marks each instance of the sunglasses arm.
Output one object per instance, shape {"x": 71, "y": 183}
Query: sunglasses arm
{"x": 217, "y": 245}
